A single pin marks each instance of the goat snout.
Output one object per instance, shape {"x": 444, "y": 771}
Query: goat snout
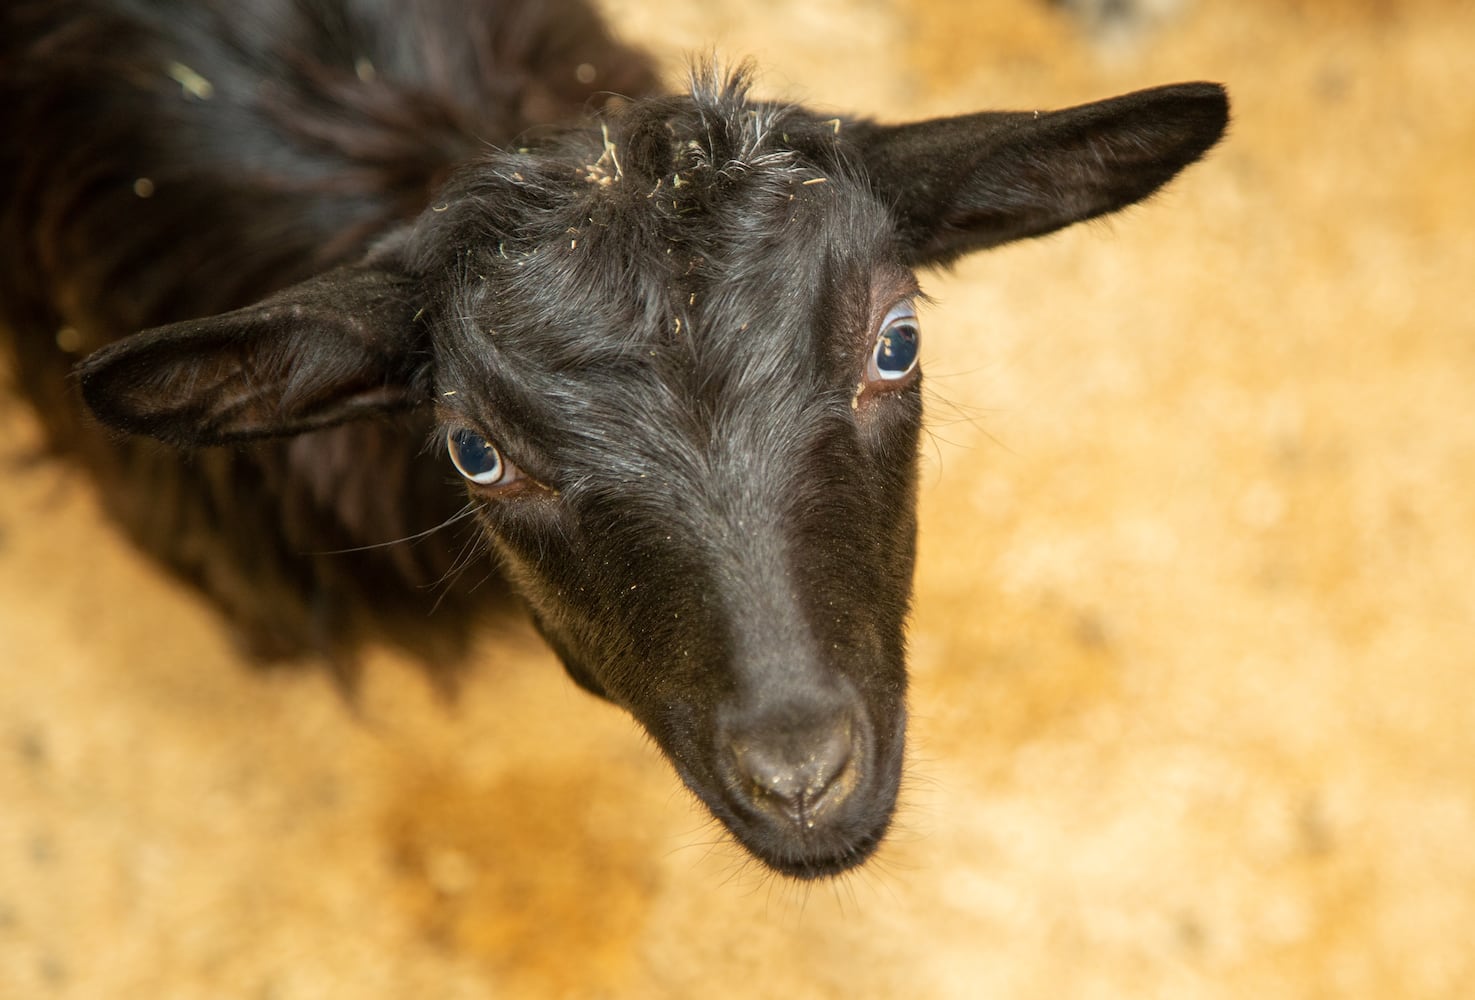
{"x": 799, "y": 778}
{"x": 802, "y": 781}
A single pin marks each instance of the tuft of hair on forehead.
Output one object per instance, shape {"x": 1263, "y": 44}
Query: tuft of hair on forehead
{"x": 681, "y": 154}
{"x": 736, "y": 132}
{"x": 711, "y": 137}
{"x": 655, "y": 168}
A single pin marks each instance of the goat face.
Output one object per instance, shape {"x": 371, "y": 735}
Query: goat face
{"x": 695, "y": 411}
{"x": 674, "y": 357}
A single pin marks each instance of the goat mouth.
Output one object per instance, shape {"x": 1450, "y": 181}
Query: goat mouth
{"x": 814, "y": 854}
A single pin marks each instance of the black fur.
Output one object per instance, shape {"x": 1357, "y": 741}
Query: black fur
{"x": 662, "y": 315}
{"x": 274, "y": 139}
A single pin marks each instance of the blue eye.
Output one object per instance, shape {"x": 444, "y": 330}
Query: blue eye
{"x": 898, "y": 346}
{"x": 478, "y": 459}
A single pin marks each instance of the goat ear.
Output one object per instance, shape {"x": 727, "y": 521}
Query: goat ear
{"x": 963, "y": 184}
{"x": 336, "y": 347}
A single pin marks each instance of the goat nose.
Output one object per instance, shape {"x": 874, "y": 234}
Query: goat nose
{"x": 802, "y": 777}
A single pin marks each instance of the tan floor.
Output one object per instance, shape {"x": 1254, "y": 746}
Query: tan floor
{"x": 1194, "y": 652}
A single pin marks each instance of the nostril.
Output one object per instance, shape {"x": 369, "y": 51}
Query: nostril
{"x": 802, "y": 777}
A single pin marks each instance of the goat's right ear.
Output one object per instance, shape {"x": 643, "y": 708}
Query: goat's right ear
{"x": 956, "y": 185}
{"x": 339, "y": 346}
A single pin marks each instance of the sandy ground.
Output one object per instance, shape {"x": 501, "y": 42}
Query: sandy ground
{"x": 1194, "y": 649}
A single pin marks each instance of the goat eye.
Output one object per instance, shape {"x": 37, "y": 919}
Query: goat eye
{"x": 897, "y": 348}
{"x": 478, "y": 459}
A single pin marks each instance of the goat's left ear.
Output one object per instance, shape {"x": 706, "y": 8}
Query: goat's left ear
{"x": 334, "y": 348}
{"x": 957, "y": 185}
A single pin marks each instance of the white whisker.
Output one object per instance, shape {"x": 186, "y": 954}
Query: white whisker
{"x": 460, "y": 515}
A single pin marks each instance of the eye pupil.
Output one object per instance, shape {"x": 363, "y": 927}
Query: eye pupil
{"x": 475, "y": 457}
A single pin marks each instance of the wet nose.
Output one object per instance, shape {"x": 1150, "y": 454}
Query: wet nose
{"x": 798, "y": 774}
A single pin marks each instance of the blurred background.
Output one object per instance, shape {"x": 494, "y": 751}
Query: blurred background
{"x": 1194, "y": 641}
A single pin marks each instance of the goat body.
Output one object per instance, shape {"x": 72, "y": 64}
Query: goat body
{"x": 668, "y": 343}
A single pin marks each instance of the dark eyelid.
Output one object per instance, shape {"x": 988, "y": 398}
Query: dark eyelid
{"x": 890, "y": 287}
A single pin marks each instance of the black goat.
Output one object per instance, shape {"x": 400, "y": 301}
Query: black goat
{"x": 668, "y": 343}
